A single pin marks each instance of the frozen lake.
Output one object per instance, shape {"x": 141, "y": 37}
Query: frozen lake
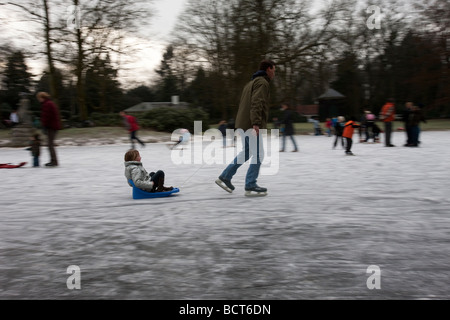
{"x": 327, "y": 218}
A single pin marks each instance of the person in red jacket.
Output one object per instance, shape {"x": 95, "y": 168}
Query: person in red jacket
{"x": 51, "y": 123}
{"x": 133, "y": 127}
{"x": 349, "y": 128}
{"x": 387, "y": 115}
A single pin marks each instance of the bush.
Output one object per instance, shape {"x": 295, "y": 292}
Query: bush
{"x": 106, "y": 119}
{"x": 65, "y": 114}
{"x": 170, "y": 119}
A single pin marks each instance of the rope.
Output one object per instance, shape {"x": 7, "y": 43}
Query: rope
{"x": 190, "y": 177}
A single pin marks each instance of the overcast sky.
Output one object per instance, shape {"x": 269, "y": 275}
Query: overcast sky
{"x": 141, "y": 71}
{"x": 167, "y": 12}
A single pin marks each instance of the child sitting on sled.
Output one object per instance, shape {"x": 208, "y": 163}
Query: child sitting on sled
{"x": 153, "y": 182}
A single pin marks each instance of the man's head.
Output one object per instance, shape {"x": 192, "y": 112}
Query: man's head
{"x": 42, "y": 96}
{"x": 269, "y": 67}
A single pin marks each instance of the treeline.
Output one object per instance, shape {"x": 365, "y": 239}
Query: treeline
{"x": 367, "y": 50}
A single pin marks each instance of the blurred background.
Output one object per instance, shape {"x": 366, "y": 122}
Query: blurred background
{"x": 172, "y": 62}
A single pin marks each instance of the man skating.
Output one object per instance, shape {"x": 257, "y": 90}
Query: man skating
{"x": 252, "y": 116}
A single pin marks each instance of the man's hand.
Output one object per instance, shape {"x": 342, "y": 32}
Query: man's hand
{"x": 256, "y": 129}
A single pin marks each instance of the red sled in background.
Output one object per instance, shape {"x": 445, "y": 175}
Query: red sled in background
{"x": 11, "y": 166}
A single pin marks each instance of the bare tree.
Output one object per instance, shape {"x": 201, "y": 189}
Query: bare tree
{"x": 39, "y": 12}
{"x": 232, "y": 37}
{"x": 434, "y": 24}
{"x": 96, "y": 30}
{"x": 76, "y": 32}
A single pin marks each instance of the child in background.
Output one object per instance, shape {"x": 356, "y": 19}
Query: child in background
{"x": 338, "y": 130}
{"x": 35, "y": 148}
{"x": 153, "y": 182}
{"x": 348, "y": 134}
{"x": 329, "y": 125}
{"x": 317, "y": 128}
{"x": 376, "y": 133}
{"x": 369, "y": 121}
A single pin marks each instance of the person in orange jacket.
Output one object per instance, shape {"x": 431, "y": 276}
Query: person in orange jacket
{"x": 349, "y": 128}
{"x": 387, "y": 115}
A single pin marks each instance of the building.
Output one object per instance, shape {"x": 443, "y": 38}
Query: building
{"x": 147, "y": 106}
{"x": 331, "y": 104}
{"x": 308, "y": 111}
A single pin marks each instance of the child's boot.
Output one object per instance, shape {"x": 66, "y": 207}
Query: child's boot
{"x": 161, "y": 187}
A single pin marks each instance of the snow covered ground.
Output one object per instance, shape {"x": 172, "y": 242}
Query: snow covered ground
{"x": 328, "y": 218}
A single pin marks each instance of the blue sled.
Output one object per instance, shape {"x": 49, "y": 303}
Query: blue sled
{"x": 142, "y": 194}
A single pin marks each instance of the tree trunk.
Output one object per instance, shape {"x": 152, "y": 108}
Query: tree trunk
{"x": 52, "y": 70}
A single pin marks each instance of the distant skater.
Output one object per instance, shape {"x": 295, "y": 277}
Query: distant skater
{"x": 288, "y": 131}
{"x": 183, "y": 139}
{"x": 338, "y": 131}
{"x": 223, "y": 129}
{"x": 14, "y": 118}
{"x": 317, "y": 127}
{"x": 348, "y": 135}
{"x": 329, "y": 126}
{"x": 133, "y": 127}
{"x": 416, "y": 119}
{"x": 35, "y": 148}
{"x": 369, "y": 121}
{"x": 387, "y": 115}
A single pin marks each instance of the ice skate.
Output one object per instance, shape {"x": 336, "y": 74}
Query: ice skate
{"x": 225, "y": 185}
{"x": 256, "y": 192}
{"x": 349, "y": 153}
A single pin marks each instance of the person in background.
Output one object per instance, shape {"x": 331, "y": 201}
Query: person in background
{"x": 329, "y": 125}
{"x": 288, "y": 124}
{"x": 369, "y": 121}
{"x": 231, "y": 126}
{"x": 416, "y": 118}
{"x": 184, "y": 138}
{"x": 13, "y": 118}
{"x": 334, "y": 121}
{"x": 35, "y": 148}
{"x": 387, "y": 115}
{"x": 133, "y": 127}
{"x": 376, "y": 133}
{"x": 51, "y": 123}
{"x": 223, "y": 129}
{"x": 348, "y": 135}
{"x": 317, "y": 128}
{"x": 338, "y": 131}
{"x": 407, "y": 115}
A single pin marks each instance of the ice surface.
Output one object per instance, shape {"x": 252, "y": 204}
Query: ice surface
{"x": 327, "y": 218}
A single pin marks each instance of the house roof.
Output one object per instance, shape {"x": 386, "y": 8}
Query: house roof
{"x": 147, "y": 106}
{"x": 331, "y": 94}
